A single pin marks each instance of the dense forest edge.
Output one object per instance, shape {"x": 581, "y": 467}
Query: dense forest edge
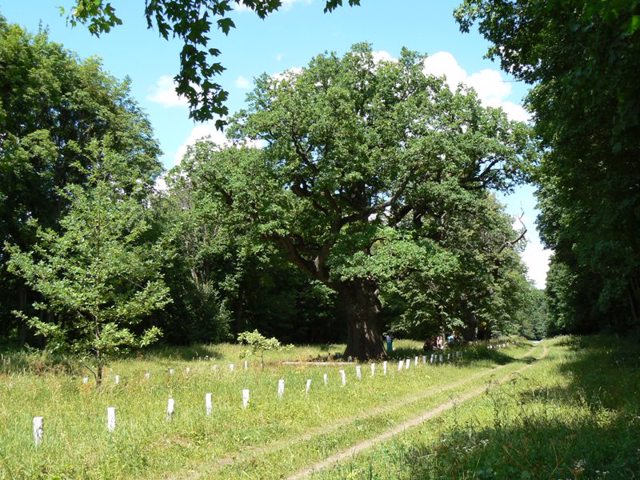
{"x": 352, "y": 199}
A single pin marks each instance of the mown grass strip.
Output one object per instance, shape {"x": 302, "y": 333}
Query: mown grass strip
{"x": 277, "y": 459}
{"x": 78, "y": 445}
{"x": 575, "y": 415}
{"x": 365, "y": 445}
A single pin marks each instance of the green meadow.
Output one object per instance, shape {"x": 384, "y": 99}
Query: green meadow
{"x": 545, "y": 410}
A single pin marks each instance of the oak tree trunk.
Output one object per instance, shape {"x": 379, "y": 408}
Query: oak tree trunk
{"x": 470, "y": 331}
{"x": 359, "y": 307}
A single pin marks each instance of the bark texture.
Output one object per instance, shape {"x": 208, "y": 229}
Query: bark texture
{"x": 360, "y": 309}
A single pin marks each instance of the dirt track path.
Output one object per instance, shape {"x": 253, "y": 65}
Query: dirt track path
{"x": 202, "y": 470}
{"x": 414, "y": 422}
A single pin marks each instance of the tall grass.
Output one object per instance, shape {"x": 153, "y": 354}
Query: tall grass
{"x": 270, "y": 438}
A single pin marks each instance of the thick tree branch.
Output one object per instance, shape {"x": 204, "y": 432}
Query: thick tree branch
{"x": 512, "y": 243}
{"x": 301, "y": 189}
{"x": 294, "y": 254}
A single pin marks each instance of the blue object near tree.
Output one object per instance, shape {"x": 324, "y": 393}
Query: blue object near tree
{"x": 389, "y": 340}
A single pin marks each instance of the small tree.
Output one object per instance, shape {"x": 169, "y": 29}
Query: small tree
{"x": 99, "y": 276}
{"x": 258, "y": 343}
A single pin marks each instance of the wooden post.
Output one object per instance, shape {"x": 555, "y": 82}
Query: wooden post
{"x": 170, "y": 408}
{"x": 343, "y": 377}
{"x": 171, "y": 371}
{"x": 245, "y": 397}
{"x": 187, "y": 371}
{"x": 424, "y": 359}
{"x": 400, "y": 364}
{"x": 358, "y": 372}
{"x": 407, "y": 363}
{"x": 307, "y": 386}
{"x": 384, "y": 367}
{"x": 325, "y": 379}
{"x": 231, "y": 367}
{"x": 415, "y": 361}
{"x": 111, "y": 419}
{"x": 208, "y": 404}
{"x": 246, "y": 365}
{"x": 85, "y": 380}
{"x": 281, "y": 388}
{"x": 147, "y": 375}
{"x": 441, "y": 358}
{"x": 373, "y": 369}
{"x": 117, "y": 379}
{"x": 38, "y": 430}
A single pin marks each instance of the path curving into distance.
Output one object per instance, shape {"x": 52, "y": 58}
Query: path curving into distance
{"x": 413, "y": 422}
{"x": 203, "y": 470}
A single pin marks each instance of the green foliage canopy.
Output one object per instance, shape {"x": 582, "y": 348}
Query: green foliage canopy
{"x": 56, "y": 112}
{"x": 583, "y": 59}
{"x": 193, "y": 22}
{"x": 223, "y": 279}
{"x": 363, "y": 165}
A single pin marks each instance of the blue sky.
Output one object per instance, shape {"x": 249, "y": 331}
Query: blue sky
{"x": 287, "y": 39}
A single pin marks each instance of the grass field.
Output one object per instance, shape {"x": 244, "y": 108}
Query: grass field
{"x": 572, "y": 414}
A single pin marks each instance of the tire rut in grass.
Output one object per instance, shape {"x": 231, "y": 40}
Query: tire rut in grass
{"x": 248, "y": 454}
{"x": 411, "y": 423}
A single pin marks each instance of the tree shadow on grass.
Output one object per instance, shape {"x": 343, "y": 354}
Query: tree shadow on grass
{"x": 41, "y": 362}
{"x": 476, "y": 353}
{"x": 37, "y": 362}
{"x": 406, "y": 352}
{"x": 586, "y": 426}
{"x": 186, "y": 353}
{"x": 533, "y": 447}
{"x": 470, "y": 354}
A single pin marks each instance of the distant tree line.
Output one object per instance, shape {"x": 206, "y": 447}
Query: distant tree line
{"x": 353, "y": 198}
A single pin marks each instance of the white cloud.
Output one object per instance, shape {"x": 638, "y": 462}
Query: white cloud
{"x": 536, "y": 258}
{"x": 288, "y": 74}
{"x": 243, "y": 83}
{"x": 491, "y": 87}
{"x": 209, "y": 132}
{"x": 164, "y": 93}
{"x": 200, "y": 131}
{"x": 383, "y": 56}
{"x": 515, "y": 111}
{"x": 161, "y": 184}
{"x": 444, "y": 64}
{"x": 279, "y": 57}
{"x": 289, "y": 3}
{"x": 240, "y": 7}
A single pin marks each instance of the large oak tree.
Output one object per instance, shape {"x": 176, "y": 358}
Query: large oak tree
{"x": 355, "y": 155}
